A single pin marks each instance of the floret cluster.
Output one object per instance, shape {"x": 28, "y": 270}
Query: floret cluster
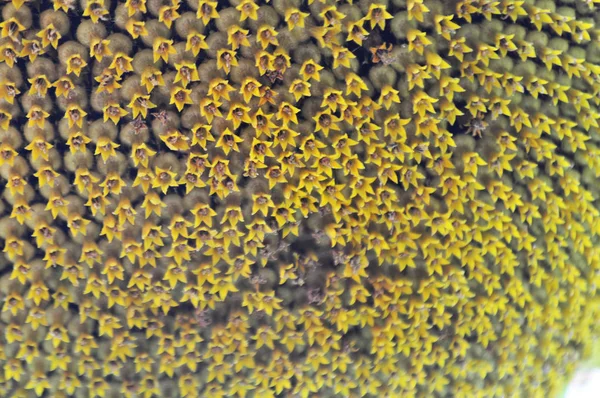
{"x": 297, "y": 198}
